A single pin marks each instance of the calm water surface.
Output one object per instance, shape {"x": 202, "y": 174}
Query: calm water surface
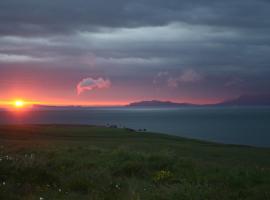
{"x": 249, "y": 126}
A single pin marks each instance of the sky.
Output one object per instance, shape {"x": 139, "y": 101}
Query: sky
{"x": 102, "y": 52}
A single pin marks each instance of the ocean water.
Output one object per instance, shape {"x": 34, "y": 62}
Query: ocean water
{"x": 231, "y": 125}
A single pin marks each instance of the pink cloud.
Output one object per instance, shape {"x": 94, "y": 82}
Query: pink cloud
{"x": 234, "y": 82}
{"x": 173, "y": 82}
{"x": 88, "y": 84}
{"x": 160, "y": 77}
{"x": 188, "y": 76}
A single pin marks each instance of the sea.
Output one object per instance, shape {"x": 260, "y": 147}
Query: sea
{"x": 229, "y": 125}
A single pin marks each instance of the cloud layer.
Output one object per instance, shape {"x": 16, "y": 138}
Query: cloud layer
{"x": 31, "y": 17}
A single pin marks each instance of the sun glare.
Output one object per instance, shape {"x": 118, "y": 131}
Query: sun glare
{"x": 19, "y": 103}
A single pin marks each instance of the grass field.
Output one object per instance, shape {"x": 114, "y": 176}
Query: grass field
{"x": 86, "y": 162}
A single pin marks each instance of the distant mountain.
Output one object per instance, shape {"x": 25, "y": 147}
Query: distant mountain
{"x": 248, "y": 100}
{"x": 243, "y": 100}
{"x": 155, "y": 103}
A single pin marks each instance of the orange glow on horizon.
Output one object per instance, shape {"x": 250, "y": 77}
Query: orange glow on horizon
{"x": 17, "y": 104}
{"x": 21, "y": 104}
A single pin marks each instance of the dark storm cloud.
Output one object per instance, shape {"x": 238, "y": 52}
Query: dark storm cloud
{"x": 38, "y": 17}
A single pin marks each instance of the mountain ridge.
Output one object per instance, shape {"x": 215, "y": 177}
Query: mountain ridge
{"x": 242, "y": 100}
{"x": 157, "y": 103}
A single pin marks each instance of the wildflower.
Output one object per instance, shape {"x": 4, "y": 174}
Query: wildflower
{"x": 162, "y": 176}
{"x": 41, "y": 198}
{"x": 117, "y": 186}
{"x": 4, "y": 183}
{"x": 9, "y": 157}
{"x": 59, "y": 190}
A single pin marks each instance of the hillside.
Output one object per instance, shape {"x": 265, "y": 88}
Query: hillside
{"x": 88, "y": 162}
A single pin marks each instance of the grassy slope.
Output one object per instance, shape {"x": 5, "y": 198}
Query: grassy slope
{"x": 83, "y": 162}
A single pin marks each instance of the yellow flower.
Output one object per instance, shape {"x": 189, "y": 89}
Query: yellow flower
{"x": 162, "y": 175}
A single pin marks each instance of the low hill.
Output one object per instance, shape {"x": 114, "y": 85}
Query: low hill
{"x": 155, "y": 103}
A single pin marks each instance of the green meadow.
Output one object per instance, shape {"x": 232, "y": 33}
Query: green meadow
{"x": 40, "y": 162}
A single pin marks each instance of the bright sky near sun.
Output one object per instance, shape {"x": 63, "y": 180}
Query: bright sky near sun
{"x": 19, "y": 103}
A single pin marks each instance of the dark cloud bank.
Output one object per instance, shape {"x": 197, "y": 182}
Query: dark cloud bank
{"x": 40, "y": 17}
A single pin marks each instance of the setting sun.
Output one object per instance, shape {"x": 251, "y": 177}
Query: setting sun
{"x": 19, "y": 103}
